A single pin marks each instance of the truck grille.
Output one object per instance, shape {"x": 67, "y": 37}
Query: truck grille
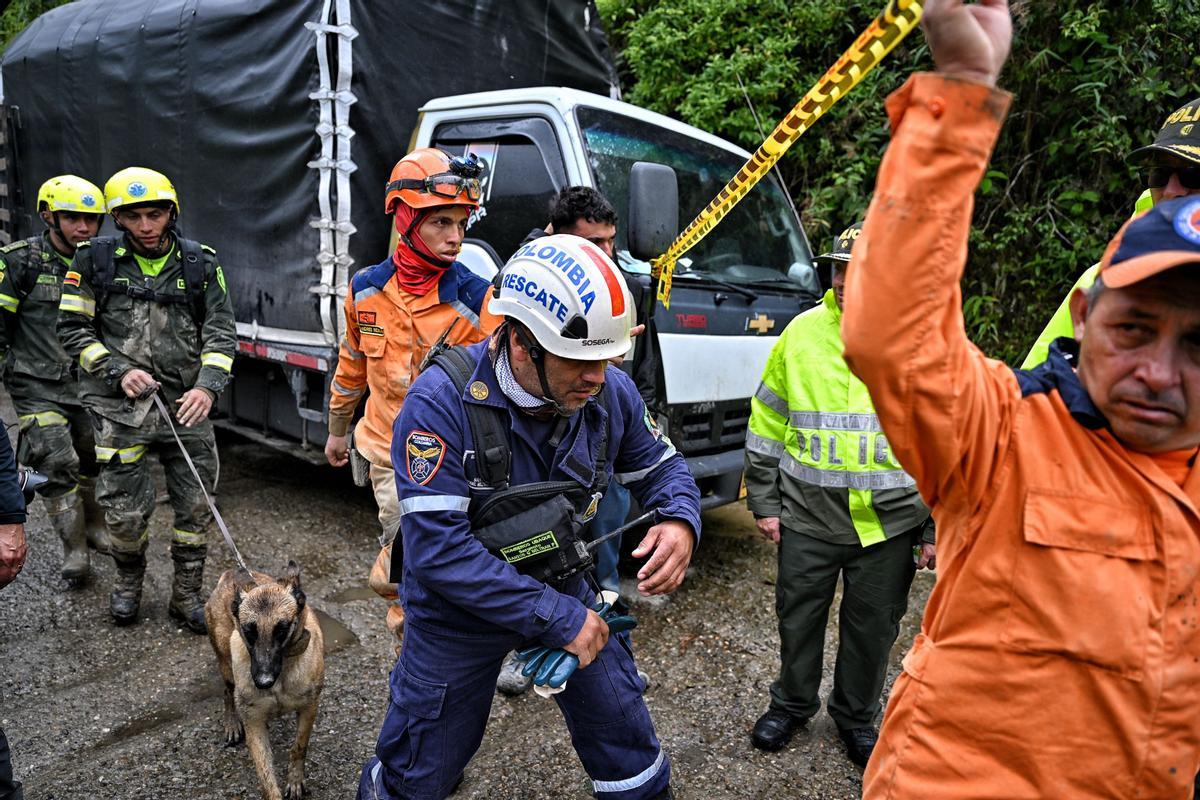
{"x": 709, "y": 427}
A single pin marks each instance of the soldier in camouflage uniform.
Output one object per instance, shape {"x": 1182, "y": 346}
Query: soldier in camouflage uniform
{"x": 136, "y": 321}
{"x": 56, "y": 433}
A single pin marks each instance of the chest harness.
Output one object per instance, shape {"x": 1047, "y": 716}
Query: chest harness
{"x": 194, "y": 280}
{"x": 540, "y": 528}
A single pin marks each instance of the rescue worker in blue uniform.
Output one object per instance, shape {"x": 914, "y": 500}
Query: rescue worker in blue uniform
{"x": 502, "y": 452}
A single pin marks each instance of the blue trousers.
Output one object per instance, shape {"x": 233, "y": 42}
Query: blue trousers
{"x": 441, "y": 694}
{"x": 610, "y": 515}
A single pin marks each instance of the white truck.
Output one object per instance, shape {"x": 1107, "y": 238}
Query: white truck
{"x": 279, "y": 122}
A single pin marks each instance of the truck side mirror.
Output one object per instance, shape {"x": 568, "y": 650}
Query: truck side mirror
{"x": 653, "y": 209}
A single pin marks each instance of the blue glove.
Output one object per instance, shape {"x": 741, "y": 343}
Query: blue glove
{"x": 551, "y": 666}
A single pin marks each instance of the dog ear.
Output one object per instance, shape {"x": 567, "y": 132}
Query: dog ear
{"x": 299, "y": 596}
{"x": 291, "y": 575}
{"x": 237, "y": 601}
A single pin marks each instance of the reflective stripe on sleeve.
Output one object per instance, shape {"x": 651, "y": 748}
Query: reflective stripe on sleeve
{"x": 218, "y": 360}
{"x": 338, "y": 389}
{"x": 350, "y": 351}
{"x": 771, "y": 400}
{"x": 637, "y": 475}
{"x": 846, "y": 479}
{"x": 434, "y": 502}
{"x": 126, "y": 455}
{"x": 91, "y": 354}
{"x": 629, "y": 784}
{"x": 9, "y": 303}
{"x": 363, "y": 294}
{"x": 469, "y": 315}
{"x": 78, "y": 304}
{"x": 43, "y": 419}
{"x": 764, "y": 446}
{"x": 835, "y": 422}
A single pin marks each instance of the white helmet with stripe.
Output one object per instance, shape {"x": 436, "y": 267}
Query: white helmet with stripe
{"x": 570, "y": 296}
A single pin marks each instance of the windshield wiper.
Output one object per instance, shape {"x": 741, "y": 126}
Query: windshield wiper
{"x": 785, "y": 283}
{"x": 731, "y": 287}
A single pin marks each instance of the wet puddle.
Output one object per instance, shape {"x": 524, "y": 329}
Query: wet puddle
{"x": 351, "y": 594}
{"x": 337, "y": 635}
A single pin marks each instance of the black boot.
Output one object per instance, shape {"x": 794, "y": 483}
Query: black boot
{"x": 187, "y": 602}
{"x": 126, "y": 597}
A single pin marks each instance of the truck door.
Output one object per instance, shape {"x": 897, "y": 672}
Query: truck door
{"x": 525, "y": 169}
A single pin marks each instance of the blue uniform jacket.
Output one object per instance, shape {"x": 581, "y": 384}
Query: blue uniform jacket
{"x": 450, "y": 579}
{"x": 12, "y": 502}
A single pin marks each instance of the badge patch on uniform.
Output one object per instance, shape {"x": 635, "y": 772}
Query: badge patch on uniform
{"x": 479, "y": 390}
{"x": 46, "y": 278}
{"x": 366, "y": 317}
{"x": 655, "y": 430}
{"x": 371, "y": 330}
{"x": 71, "y": 279}
{"x": 425, "y": 452}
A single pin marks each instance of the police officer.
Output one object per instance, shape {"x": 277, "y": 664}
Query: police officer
{"x": 1170, "y": 167}
{"x": 56, "y": 433}
{"x": 502, "y": 454}
{"x": 146, "y": 312}
{"x": 823, "y": 485}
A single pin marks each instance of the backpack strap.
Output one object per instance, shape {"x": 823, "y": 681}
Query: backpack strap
{"x": 104, "y": 267}
{"x": 33, "y": 267}
{"x": 489, "y": 425}
{"x": 194, "y": 278}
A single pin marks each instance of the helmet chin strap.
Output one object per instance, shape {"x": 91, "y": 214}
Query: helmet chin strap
{"x": 163, "y": 240}
{"x": 538, "y": 356}
{"x": 55, "y": 228}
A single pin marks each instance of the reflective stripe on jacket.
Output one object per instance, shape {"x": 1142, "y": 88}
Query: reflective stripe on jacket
{"x": 815, "y": 453}
{"x": 1059, "y": 656}
{"x": 37, "y": 367}
{"x": 388, "y": 333}
{"x": 450, "y": 579}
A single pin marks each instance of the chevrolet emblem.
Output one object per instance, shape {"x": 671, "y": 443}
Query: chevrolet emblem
{"x": 760, "y": 324}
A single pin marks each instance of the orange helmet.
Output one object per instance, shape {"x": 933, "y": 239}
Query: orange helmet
{"x": 429, "y": 177}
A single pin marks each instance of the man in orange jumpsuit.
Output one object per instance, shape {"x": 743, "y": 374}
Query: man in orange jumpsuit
{"x": 395, "y": 312}
{"x": 1059, "y": 656}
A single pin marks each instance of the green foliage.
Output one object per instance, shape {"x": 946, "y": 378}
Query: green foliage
{"x": 1092, "y": 80}
{"x": 19, "y": 14}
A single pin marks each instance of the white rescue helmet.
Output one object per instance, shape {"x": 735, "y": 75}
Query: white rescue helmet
{"x": 570, "y": 296}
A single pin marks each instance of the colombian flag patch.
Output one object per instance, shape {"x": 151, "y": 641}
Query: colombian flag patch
{"x": 71, "y": 279}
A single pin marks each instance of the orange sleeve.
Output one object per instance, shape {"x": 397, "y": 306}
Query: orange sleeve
{"x": 488, "y": 322}
{"x": 350, "y": 379}
{"x": 945, "y": 408}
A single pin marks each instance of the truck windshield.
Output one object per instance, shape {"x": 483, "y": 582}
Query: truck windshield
{"x": 758, "y": 243}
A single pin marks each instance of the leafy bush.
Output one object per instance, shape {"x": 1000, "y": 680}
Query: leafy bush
{"x": 1092, "y": 80}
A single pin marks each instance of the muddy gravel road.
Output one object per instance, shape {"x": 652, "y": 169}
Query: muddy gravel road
{"x": 93, "y": 711}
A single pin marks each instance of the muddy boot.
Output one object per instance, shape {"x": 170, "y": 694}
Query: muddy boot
{"x": 93, "y": 516}
{"x": 187, "y": 602}
{"x": 127, "y": 590}
{"x": 66, "y": 516}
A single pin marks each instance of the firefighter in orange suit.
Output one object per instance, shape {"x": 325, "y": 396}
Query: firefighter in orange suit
{"x": 1059, "y": 655}
{"x": 395, "y": 312}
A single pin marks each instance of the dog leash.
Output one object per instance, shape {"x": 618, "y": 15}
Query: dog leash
{"x": 162, "y": 410}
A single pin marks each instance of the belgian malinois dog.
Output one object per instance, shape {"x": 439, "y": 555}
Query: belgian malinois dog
{"x": 271, "y": 655}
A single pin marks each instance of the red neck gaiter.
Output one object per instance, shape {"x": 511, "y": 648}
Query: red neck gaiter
{"x": 418, "y": 270}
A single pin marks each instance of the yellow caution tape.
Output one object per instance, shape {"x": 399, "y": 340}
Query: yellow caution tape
{"x": 888, "y": 30}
